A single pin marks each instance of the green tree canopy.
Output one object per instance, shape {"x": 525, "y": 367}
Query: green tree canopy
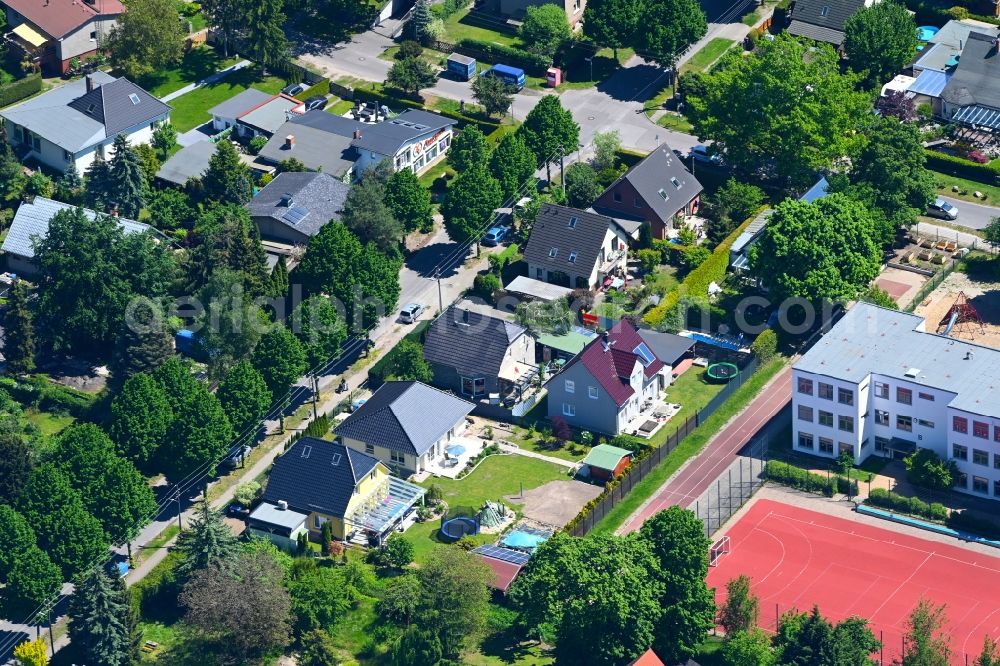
{"x": 409, "y": 201}
{"x": 544, "y": 29}
{"x": 493, "y": 94}
{"x": 513, "y": 165}
{"x": 227, "y": 17}
{"x": 164, "y": 138}
{"x": 408, "y": 363}
{"x": 320, "y": 596}
{"x": 612, "y": 23}
{"x": 15, "y": 465}
{"x": 33, "y": 582}
{"x": 469, "y": 149}
{"x": 454, "y": 598}
{"x": 144, "y": 343}
{"x": 469, "y": 204}
{"x": 19, "y": 331}
{"x": 207, "y": 541}
{"x": 244, "y": 396}
{"x": 410, "y": 75}
{"x": 582, "y": 188}
{"x": 809, "y": 639}
{"x": 99, "y": 619}
{"x": 805, "y": 113}
{"x": 822, "y": 250}
{"x": 549, "y": 130}
{"x": 16, "y": 537}
{"x": 227, "y": 178}
{"x": 320, "y": 328}
{"x": 926, "y": 642}
{"x": 147, "y": 38}
{"x": 228, "y": 238}
{"x": 748, "y": 648}
{"x": 231, "y": 324}
{"x": 281, "y": 359}
{"x": 368, "y": 214}
{"x": 669, "y": 27}
{"x": 742, "y": 608}
{"x": 126, "y": 180}
{"x": 169, "y": 209}
{"x": 90, "y": 271}
{"x": 140, "y": 417}
{"x": 880, "y": 41}
{"x": 198, "y": 438}
{"x": 264, "y": 33}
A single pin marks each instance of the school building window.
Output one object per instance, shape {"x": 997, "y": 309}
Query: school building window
{"x": 980, "y": 430}
{"x": 845, "y": 423}
{"x": 980, "y": 485}
{"x": 825, "y": 445}
{"x": 881, "y": 390}
{"x": 845, "y": 396}
{"x": 805, "y": 440}
{"x": 904, "y": 423}
{"x": 826, "y": 419}
{"x": 805, "y": 413}
{"x": 980, "y": 457}
{"x": 881, "y": 417}
{"x": 959, "y": 452}
{"x": 825, "y": 391}
{"x": 960, "y": 424}
{"x": 805, "y": 386}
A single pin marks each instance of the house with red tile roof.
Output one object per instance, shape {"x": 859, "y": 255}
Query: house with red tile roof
{"x": 610, "y": 383}
{"x": 54, "y": 32}
{"x": 648, "y": 658}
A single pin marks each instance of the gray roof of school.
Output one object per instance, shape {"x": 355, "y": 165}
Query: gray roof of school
{"x": 236, "y": 106}
{"x": 977, "y": 77}
{"x": 316, "y": 198}
{"x": 405, "y": 416}
{"x": 188, "y": 162}
{"x": 870, "y": 339}
{"x": 74, "y": 119}
{"x": 31, "y": 223}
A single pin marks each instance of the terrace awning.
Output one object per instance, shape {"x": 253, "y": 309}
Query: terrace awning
{"x": 30, "y": 35}
{"x": 980, "y": 116}
{"x": 387, "y": 512}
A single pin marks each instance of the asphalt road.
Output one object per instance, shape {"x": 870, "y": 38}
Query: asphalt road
{"x": 973, "y": 215}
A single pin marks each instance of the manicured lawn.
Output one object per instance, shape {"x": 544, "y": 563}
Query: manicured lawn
{"x": 572, "y": 451}
{"x": 691, "y": 391}
{"x": 495, "y": 477}
{"x": 338, "y": 107}
{"x": 966, "y": 188}
{"x": 191, "y": 110}
{"x": 196, "y": 65}
{"x": 676, "y": 122}
{"x": 704, "y": 58}
{"x": 458, "y": 27}
{"x": 48, "y": 423}
{"x": 689, "y": 447}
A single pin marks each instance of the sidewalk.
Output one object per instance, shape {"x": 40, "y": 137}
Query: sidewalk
{"x": 211, "y": 78}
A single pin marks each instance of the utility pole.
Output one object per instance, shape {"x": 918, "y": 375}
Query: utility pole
{"x": 180, "y": 526}
{"x": 562, "y": 166}
{"x": 315, "y": 388}
{"x": 437, "y": 277}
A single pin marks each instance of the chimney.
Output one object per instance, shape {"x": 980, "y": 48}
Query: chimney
{"x": 968, "y": 356}
{"x": 90, "y": 83}
{"x": 282, "y": 505}
{"x": 286, "y": 200}
{"x": 290, "y": 142}
{"x": 357, "y": 134}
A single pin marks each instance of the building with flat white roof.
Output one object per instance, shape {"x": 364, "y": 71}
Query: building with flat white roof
{"x": 879, "y": 384}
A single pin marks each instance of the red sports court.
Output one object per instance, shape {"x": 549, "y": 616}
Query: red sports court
{"x": 796, "y": 558}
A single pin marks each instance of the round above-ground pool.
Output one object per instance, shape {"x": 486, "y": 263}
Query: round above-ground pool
{"x": 926, "y": 32}
{"x": 455, "y": 528}
{"x": 722, "y": 372}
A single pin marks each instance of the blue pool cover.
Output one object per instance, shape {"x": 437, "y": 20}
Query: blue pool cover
{"x": 456, "y": 450}
{"x": 926, "y": 32}
{"x": 525, "y": 540}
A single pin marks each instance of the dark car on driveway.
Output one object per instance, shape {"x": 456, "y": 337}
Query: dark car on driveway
{"x": 315, "y": 102}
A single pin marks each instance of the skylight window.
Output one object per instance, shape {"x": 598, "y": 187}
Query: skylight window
{"x": 572, "y": 223}
{"x": 336, "y": 459}
{"x": 676, "y": 183}
{"x": 645, "y": 356}
{"x": 90, "y": 109}
{"x": 572, "y": 257}
{"x": 134, "y": 98}
{"x": 825, "y": 10}
{"x": 663, "y": 194}
{"x": 306, "y": 450}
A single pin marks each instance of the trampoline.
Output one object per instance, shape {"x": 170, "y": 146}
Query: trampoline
{"x": 459, "y": 522}
{"x": 722, "y": 372}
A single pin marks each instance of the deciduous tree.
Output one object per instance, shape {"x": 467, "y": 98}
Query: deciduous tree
{"x": 16, "y": 537}
{"x": 320, "y": 596}
{"x": 416, "y": 647}
{"x": 880, "y": 40}
{"x": 367, "y": 213}
{"x": 549, "y": 131}
{"x": 32, "y": 653}
{"x": 231, "y": 324}
{"x": 469, "y": 204}
{"x": 748, "y": 648}
{"x": 742, "y": 608}
{"x": 164, "y": 138}
{"x": 612, "y": 23}
{"x": 318, "y": 649}
{"x": 823, "y": 250}
{"x": 513, "y": 165}
{"x": 144, "y": 343}
{"x": 668, "y": 28}
{"x": 990, "y": 656}
{"x": 606, "y": 147}
{"x": 140, "y": 417}
{"x": 410, "y": 75}
{"x": 244, "y": 396}
{"x": 544, "y": 29}
{"x": 455, "y": 598}
{"x": 926, "y": 643}
{"x": 198, "y": 438}
{"x": 169, "y": 209}
{"x": 228, "y": 238}
{"x": 582, "y": 188}
{"x": 409, "y": 201}
{"x": 469, "y": 149}
{"x": 280, "y": 359}
{"x": 408, "y": 363}
{"x": 320, "y": 328}
{"x": 147, "y": 38}
{"x": 493, "y": 94}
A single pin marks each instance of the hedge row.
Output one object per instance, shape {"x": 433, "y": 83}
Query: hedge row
{"x": 321, "y": 88}
{"x": 696, "y": 283}
{"x": 18, "y": 90}
{"x": 40, "y": 393}
{"x": 912, "y": 505}
{"x": 795, "y": 477}
{"x": 499, "y": 54}
{"x": 988, "y": 174}
{"x": 962, "y": 520}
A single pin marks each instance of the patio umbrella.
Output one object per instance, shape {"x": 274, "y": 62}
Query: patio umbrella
{"x": 455, "y": 450}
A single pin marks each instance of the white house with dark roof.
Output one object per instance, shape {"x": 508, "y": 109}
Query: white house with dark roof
{"x": 77, "y": 122}
{"x": 880, "y": 384}
{"x": 575, "y": 248}
{"x": 31, "y": 224}
{"x": 415, "y": 140}
{"x": 293, "y": 207}
{"x": 407, "y": 425}
{"x": 971, "y": 96}
{"x": 255, "y": 113}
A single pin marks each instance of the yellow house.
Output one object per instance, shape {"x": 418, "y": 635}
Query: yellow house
{"x": 351, "y": 490}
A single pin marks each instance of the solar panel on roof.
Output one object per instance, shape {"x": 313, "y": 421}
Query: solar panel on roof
{"x": 295, "y": 214}
{"x": 645, "y": 356}
{"x": 503, "y": 554}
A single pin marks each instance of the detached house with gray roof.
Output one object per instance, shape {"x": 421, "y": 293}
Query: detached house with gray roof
{"x": 575, "y": 248}
{"x": 972, "y": 95}
{"x": 406, "y": 425}
{"x": 479, "y": 356}
{"x": 77, "y": 122}
{"x": 824, "y": 20}
{"x": 656, "y": 191}
{"x": 293, "y": 207}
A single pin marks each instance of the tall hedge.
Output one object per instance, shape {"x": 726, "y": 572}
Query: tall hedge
{"x": 18, "y": 90}
{"x": 956, "y": 166}
{"x": 507, "y": 55}
{"x": 802, "y": 479}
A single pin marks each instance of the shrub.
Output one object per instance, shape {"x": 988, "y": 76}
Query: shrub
{"x": 765, "y": 346}
{"x": 649, "y": 259}
{"x": 977, "y": 157}
{"x": 466, "y": 543}
{"x": 18, "y": 90}
{"x": 962, "y": 168}
{"x": 530, "y": 62}
{"x": 487, "y": 285}
{"x": 410, "y": 49}
{"x": 257, "y": 144}
{"x": 963, "y": 520}
{"x": 911, "y": 505}
{"x": 958, "y": 13}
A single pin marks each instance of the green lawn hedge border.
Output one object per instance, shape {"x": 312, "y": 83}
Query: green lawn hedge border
{"x": 915, "y": 506}
{"x": 962, "y": 168}
{"x": 20, "y": 89}
{"x": 533, "y": 64}
{"x": 795, "y": 477}
{"x": 43, "y": 394}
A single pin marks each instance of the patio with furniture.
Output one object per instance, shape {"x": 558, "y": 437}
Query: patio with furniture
{"x": 457, "y": 454}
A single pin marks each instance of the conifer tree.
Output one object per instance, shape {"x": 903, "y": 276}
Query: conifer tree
{"x": 99, "y": 619}
{"x": 19, "y": 333}
{"x": 208, "y": 541}
{"x": 127, "y": 183}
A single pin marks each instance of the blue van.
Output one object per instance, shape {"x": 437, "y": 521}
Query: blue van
{"x": 512, "y": 76}
{"x": 462, "y": 67}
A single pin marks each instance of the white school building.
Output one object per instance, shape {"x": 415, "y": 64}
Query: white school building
{"x": 879, "y": 384}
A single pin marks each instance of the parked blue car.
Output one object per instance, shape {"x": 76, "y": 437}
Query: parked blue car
{"x": 495, "y": 236}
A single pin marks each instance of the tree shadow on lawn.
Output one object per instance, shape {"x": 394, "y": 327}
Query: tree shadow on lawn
{"x": 427, "y": 260}
{"x": 510, "y": 649}
{"x": 196, "y": 64}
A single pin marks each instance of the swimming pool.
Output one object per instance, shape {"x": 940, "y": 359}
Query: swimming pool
{"x": 711, "y": 340}
{"x": 523, "y": 540}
